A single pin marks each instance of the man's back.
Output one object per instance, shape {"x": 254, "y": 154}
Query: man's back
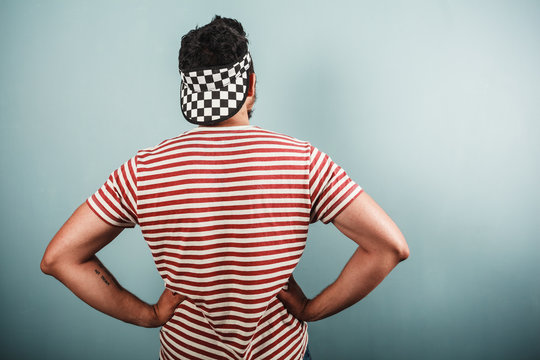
{"x": 225, "y": 212}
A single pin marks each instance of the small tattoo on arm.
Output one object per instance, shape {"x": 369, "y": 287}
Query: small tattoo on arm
{"x": 102, "y": 272}
{"x": 102, "y": 277}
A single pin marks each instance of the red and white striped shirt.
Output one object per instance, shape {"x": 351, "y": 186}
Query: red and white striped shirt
{"x": 225, "y": 212}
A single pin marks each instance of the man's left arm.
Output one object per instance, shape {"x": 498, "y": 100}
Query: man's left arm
{"x": 71, "y": 258}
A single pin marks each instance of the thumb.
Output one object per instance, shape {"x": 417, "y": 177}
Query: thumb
{"x": 284, "y": 295}
{"x": 172, "y": 298}
{"x": 284, "y": 290}
{"x": 178, "y": 298}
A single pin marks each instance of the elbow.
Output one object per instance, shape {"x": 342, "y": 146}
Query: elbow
{"x": 394, "y": 254}
{"x": 398, "y": 249}
{"x": 402, "y": 251}
{"x": 48, "y": 264}
{"x": 45, "y": 266}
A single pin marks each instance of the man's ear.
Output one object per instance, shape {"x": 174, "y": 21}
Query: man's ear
{"x": 252, "y": 80}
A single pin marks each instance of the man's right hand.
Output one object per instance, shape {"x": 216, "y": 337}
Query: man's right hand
{"x": 295, "y": 301}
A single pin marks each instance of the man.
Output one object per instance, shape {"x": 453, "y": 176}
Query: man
{"x": 225, "y": 209}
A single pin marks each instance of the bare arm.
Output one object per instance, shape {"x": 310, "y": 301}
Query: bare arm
{"x": 70, "y": 258}
{"x": 381, "y": 246}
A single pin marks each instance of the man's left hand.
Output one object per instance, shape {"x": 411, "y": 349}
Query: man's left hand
{"x": 165, "y": 307}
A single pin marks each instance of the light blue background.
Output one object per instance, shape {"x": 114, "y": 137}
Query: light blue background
{"x": 431, "y": 106}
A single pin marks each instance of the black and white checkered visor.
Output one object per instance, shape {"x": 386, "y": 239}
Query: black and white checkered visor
{"x": 212, "y": 95}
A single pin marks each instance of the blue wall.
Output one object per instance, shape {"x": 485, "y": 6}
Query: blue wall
{"x": 431, "y": 106}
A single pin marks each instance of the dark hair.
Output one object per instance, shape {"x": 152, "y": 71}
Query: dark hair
{"x": 223, "y": 41}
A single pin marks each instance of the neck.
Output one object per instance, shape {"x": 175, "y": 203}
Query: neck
{"x": 240, "y": 118}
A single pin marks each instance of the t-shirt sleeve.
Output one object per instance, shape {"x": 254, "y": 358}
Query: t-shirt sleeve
{"x": 116, "y": 201}
{"x": 331, "y": 189}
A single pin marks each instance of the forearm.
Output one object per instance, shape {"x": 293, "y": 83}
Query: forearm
{"x": 362, "y": 273}
{"x": 95, "y": 285}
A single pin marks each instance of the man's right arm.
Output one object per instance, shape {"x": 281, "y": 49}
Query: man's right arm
{"x": 381, "y": 246}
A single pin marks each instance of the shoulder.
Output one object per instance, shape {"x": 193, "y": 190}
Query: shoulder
{"x": 256, "y": 131}
{"x": 283, "y": 137}
{"x": 162, "y": 146}
{"x": 314, "y": 151}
